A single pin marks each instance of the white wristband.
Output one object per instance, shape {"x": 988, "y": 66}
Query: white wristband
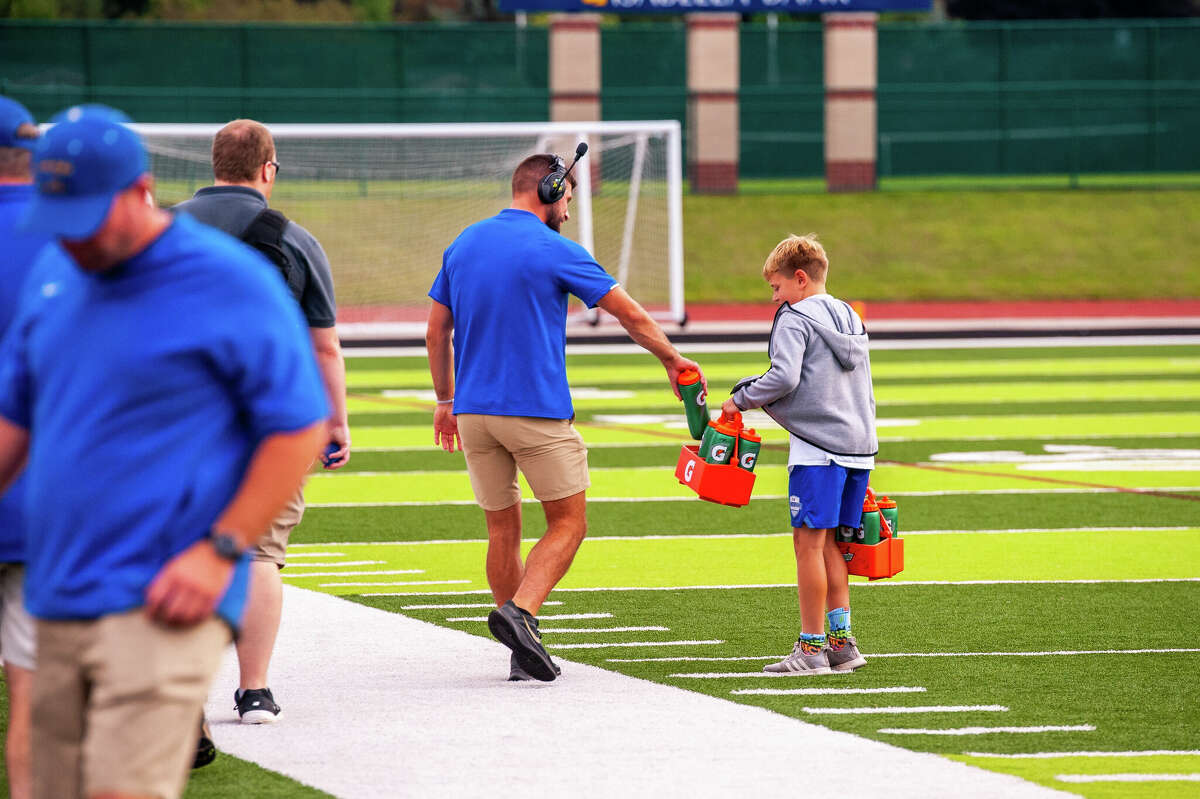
{"x": 445, "y": 402}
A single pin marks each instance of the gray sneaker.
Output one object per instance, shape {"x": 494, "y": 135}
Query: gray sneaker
{"x": 517, "y": 629}
{"x": 799, "y": 663}
{"x": 846, "y": 657}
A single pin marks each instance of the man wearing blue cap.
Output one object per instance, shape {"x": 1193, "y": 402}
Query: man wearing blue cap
{"x": 160, "y": 389}
{"x": 18, "y": 135}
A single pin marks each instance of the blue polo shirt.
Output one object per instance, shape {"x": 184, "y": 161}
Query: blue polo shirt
{"x": 17, "y": 252}
{"x": 506, "y": 281}
{"x": 146, "y": 389}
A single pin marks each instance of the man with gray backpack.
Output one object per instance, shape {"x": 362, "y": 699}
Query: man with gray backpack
{"x": 245, "y": 168}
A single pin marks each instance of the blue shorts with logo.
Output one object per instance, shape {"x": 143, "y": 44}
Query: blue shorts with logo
{"x": 824, "y": 497}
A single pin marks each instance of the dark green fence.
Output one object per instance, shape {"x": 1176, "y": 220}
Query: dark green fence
{"x": 973, "y": 99}
{"x": 280, "y": 73}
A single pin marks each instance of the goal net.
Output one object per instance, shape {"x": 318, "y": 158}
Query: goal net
{"x": 386, "y": 200}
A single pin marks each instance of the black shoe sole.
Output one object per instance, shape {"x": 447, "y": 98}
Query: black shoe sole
{"x": 537, "y": 664}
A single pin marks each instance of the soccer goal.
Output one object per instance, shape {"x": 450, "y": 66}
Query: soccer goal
{"x": 386, "y": 200}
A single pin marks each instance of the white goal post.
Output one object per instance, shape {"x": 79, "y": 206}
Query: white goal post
{"x": 385, "y": 200}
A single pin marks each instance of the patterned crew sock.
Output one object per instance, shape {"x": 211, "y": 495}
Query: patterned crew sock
{"x": 839, "y": 628}
{"x": 811, "y": 644}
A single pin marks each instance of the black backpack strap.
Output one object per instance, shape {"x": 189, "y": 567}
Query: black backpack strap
{"x": 265, "y": 234}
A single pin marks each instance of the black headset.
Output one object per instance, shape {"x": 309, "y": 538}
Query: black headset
{"x": 552, "y": 187}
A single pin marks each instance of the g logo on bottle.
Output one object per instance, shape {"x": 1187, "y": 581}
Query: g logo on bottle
{"x": 748, "y": 461}
{"x": 720, "y": 453}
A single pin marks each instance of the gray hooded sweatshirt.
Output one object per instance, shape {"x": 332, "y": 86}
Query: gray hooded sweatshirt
{"x": 819, "y": 385}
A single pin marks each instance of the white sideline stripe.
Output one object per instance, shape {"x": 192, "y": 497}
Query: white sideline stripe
{"x": 738, "y": 658}
{"x": 849, "y": 711}
{"x": 1045, "y": 530}
{"x": 949, "y": 493}
{"x": 1128, "y": 778}
{"x": 988, "y": 730}
{"x": 825, "y": 691}
{"x": 1030, "y": 654}
{"x": 337, "y": 563}
{"x": 400, "y": 582}
{"x": 656, "y": 737}
{"x": 461, "y": 606}
{"x": 1029, "y": 582}
{"x": 623, "y": 644}
{"x": 723, "y": 675}
{"x": 1048, "y": 755}
{"x": 286, "y": 575}
{"x": 793, "y": 585}
{"x": 560, "y": 630}
{"x": 572, "y": 616}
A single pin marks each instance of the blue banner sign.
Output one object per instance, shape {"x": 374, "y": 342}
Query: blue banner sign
{"x": 692, "y": 6}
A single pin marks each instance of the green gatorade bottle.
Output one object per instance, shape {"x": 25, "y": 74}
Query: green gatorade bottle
{"x": 749, "y": 443}
{"x": 887, "y": 509}
{"x": 695, "y": 402}
{"x": 869, "y": 532}
{"x": 722, "y": 436}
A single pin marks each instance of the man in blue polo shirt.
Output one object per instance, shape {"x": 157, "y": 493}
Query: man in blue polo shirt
{"x": 161, "y": 391}
{"x": 18, "y": 135}
{"x": 502, "y": 293}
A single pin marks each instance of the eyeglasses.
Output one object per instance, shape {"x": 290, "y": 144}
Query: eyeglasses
{"x": 274, "y": 164}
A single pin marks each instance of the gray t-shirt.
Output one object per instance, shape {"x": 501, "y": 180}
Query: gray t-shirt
{"x": 232, "y": 209}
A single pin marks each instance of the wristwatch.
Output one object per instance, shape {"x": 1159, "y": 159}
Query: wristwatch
{"x": 225, "y": 545}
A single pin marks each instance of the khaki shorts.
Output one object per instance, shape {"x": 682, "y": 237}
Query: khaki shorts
{"x": 18, "y": 639}
{"x": 117, "y": 702}
{"x": 549, "y": 452}
{"x": 272, "y": 547}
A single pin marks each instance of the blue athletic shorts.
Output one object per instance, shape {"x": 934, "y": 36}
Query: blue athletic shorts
{"x": 824, "y": 497}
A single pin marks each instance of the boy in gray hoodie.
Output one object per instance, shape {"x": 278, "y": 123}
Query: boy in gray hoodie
{"x": 818, "y": 389}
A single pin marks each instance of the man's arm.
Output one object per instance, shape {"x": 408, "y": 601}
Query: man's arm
{"x": 328, "y": 349}
{"x": 440, "y": 348}
{"x": 14, "y": 447}
{"x": 187, "y": 588}
{"x": 646, "y": 332}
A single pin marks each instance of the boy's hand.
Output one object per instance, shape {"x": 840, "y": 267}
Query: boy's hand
{"x": 681, "y": 364}
{"x": 729, "y": 408}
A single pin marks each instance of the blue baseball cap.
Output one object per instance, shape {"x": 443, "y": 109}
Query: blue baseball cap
{"x": 79, "y": 166}
{"x": 13, "y": 116}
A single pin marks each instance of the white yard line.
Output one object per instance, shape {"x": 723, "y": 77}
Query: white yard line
{"x": 410, "y": 582}
{"x": 857, "y": 711}
{"x": 989, "y": 730}
{"x": 378, "y": 705}
{"x": 571, "y": 616}
{"x": 337, "y": 563}
{"x": 1051, "y": 755}
{"x": 645, "y": 629}
{"x": 825, "y": 691}
{"x": 288, "y": 574}
{"x": 463, "y": 606}
{"x": 1128, "y": 778}
{"x": 623, "y": 644}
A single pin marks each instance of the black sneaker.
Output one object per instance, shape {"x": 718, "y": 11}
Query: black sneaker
{"x": 518, "y": 630}
{"x": 518, "y": 674}
{"x": 256, "y": 706}
{"x": 206, "y": 750}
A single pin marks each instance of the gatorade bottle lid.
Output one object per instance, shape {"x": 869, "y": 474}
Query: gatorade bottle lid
{"x": 728, "y": 426}
{"x": 749, "y": 434}
{"x": 885, "y": 502}
{"x": 688, "y": 376}
{"x": 869, "y": 505}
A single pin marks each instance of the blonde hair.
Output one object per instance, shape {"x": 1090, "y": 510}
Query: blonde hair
{"x": 794, "y": 253}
